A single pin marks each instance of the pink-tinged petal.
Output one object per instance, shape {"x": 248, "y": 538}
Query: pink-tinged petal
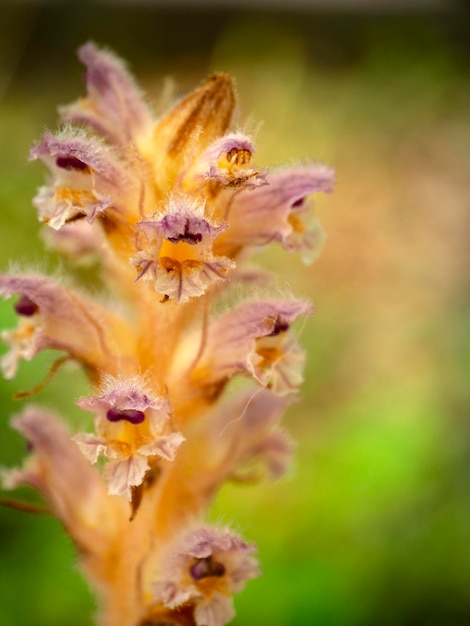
{"x": 276, "y": 451}
{"x": 91, "y": 446}
{"x": 65, "y": 321}
{"x": 58, "y": 206}
{"x": 208, "y": 540}
{"x": 114, "y": 106}
{"x": 254, "y": 339}
{"x": 242, "y": 440}
{"x": 307, "y": 236}
{"x": 76, "y": 241}
{"x": 23, "y": 343}
{"x": 183, "y": 281}
{"x": 75, "y": 153}
{"x": 217, "y": 611}
{"x": 164, "y": 447}
{"x": 171, "y": 596}
{"x": 277, "y": 363}
{"x": 88, "y": 179}
{"x": 124, "y": 474}
{"x": 56, "y": 467}
{"x": 185, "y": 226}
{"x": 268, "y": 213}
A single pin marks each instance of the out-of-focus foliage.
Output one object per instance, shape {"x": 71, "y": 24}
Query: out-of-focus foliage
{"x": 373, "y": 525}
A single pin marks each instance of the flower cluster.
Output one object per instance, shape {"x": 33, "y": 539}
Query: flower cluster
{"x": 171, "y": 210}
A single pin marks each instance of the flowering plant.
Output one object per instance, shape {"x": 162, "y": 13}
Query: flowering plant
{"x": 172, "y": 210}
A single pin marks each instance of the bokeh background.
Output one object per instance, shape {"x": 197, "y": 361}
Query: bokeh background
{"x": 373, "y": 524}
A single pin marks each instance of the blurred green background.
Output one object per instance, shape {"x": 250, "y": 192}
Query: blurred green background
{"x": 373, "y": 524}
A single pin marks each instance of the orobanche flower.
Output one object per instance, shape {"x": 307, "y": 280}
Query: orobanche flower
{"x": 204, "y": 568}
{"x": 172, "y": 209}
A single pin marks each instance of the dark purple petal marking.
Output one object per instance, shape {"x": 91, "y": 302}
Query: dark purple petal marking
{"x": 280, "y": 326}
{"x": 130, "y": 415}
{"x": 71, "y": 163}
{"x": 187, "y": 236}
{"x": 26, "y": 307}
{"x": 204, "y": 568}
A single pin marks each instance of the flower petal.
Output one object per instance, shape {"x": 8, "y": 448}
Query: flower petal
{"x": 241, "y": 440}
{"x": 253, "y": 339}
{"x": 227, "y": 162}
{"x": 114, "y": 106}
{"x": 124, "y": 474}
{"x": 259, "y": 216}
{"x": 164, "y": 447}
{"x": 56, "y": 467}
{"x": 217, "y": 611}
{"x": 67, "y": 322}
{"x": 91, "y": 446}
{"x": 88, "y": 179}
{"x": 76, "y": 241}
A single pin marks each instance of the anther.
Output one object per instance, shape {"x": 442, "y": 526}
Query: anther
{"x": 204, "y": 568}
{"x": 298, "y": 203}
{"x": 130, "y": 415}
{"x": 71, "y": 163}
{"x": 239, "y": 157}
{"x": 26, "y": 307}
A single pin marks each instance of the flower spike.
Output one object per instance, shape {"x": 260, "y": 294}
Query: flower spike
{"x": 172, "y": 209}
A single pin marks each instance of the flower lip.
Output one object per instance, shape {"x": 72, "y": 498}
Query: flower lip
{"x": 186, "y": 236}
{"x": 133, "y": 416}
{"x": 206, "y": 567}
{"x": 71, "y": 163}
{"x": 26, "y": 307}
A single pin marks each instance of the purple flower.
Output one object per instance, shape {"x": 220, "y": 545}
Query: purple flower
{"x": 87, "y": 179}
{"x": 204, "y": 568}
{"x": 254, "y": 339}
{"x": 277, "y": 211}
{"x": 71, "y": 487}
{"x": 133, "y": 427}
{"x": 176, "y": 255}
{"x": 227, "y": 162}
{"x": 61, "y": 319}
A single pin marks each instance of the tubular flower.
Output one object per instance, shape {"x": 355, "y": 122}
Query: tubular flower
{"x": 87, "y": 180}
{"x": 204, "y": 568}
{"x": 177, "y": 257}
{"x": 254, "y": 339}
{"x": 133, "y": 429}
{"x": 226, "y": 163}
{"x": 171, "y": 208}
